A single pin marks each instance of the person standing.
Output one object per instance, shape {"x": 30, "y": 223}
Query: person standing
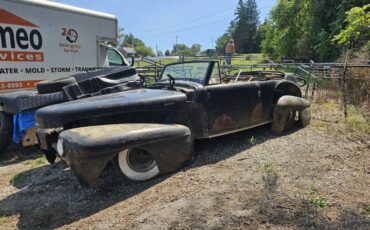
{"x": 230, "y": 50}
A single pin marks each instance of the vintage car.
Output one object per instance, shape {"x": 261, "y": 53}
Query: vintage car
{"x": 150, "y": 131}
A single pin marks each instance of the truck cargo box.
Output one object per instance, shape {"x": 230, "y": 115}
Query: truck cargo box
{"x": 42, "y": 40}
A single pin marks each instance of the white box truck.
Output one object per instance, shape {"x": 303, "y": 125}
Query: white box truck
{"x": 65, "y": 45}
{"x": 42, "y": 40}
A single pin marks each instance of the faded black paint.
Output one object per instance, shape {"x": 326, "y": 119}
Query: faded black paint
{"x": 207, "y": 110}
{"x": 89, "y": 149}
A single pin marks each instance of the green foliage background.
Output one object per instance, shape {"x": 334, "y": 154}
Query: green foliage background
{"x": 316, "y": 29}
{"x": 243, "y": 29}
{"x": 140, "y": 47}
{"x": 357, "y": 28}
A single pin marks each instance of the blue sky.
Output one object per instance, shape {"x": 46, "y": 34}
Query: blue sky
{"x": 158, "y": 22}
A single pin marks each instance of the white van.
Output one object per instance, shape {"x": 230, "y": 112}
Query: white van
{"x": 42, "y": 40}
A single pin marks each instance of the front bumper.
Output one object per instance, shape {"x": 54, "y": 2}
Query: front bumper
{"x": 48, "y": 137}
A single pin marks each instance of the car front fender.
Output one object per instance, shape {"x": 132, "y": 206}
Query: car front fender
{"x": 89, "y": 149}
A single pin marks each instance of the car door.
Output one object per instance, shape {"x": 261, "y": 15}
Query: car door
{"x": 232, "y": 107}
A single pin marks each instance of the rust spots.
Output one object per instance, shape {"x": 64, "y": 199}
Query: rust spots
{"x": 223, "y": 122}
{"x": 256, "y": 113}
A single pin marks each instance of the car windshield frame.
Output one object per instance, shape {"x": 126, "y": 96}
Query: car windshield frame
{"x": 197, "y": 80}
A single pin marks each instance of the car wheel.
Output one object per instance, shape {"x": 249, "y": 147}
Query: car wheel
{"x": 282, "y": 121}
{"x": 290, "y": 120}
{"x": 136, "y": 164}
{"x": 6, "y": 131}
{"x": 305, "y": 117}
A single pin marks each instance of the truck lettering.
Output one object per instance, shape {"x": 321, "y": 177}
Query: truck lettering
{"x": 35, "y": 70}
{"x": 8, "y": 70}
{"x": 21, "y": 56}
{"x": 21, "y": 38}
{"x": 33, "y": 34}
{"x": 86, "y": 69}
{"x": 10, "y": 33}
{"x": 60, "y": 70}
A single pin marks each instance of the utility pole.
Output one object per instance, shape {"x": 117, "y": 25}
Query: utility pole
{"x": 175, "y": 47}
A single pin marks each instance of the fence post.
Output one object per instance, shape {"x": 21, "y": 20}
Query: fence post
{"x": 155, "y": 71}
{"x": 313, "y": 90}
{"x": 344, "y": 89}
{"x": 309, "y": 79}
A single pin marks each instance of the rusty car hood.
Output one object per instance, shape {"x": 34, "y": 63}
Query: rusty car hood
{"x": 124, "y": 102}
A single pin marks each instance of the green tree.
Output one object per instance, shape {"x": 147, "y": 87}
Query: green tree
{"x": 252, "y": 25}
{"x": 167, "y": 53}
{"x": 144, "y": 51}
{"x": 357, "y": 29}
{"x": 120, "y": 36}
{"x": 181, "y": 49}
{"x": 240, "y": 33}
{"x": 141, "y": 49}
{"x": 131, "y": 41}
{"x": 305, "y": 28}
{"x": 221, "y": 43}
{"x": 222, "y": 40}
{"x": 267, "y": 32}
{"x": 159, "y": 53}
{"x": 195, "y": 48}
{"x": 246, "y": 23}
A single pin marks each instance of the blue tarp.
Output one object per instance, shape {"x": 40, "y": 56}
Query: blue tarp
{"x": 21, "y": 122}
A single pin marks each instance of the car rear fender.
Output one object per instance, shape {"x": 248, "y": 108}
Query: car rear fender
{"x": 286, "y": 88}
{"x": 289, "y": 103}
{"x": 284, "y": 106}
{"x": 89, "y": 149}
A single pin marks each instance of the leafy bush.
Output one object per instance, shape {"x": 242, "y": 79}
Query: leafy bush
{"x": 357, "y": 28}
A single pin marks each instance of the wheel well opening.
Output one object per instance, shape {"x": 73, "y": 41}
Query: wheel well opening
{"x": 288, "y": 89}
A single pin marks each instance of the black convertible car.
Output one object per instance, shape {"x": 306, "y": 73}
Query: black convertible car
{"x": 150, "y": 131}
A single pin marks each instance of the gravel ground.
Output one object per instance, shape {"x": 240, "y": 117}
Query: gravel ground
{"x": 313, "y": 178}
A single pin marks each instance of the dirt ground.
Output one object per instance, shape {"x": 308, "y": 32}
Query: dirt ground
{"x": 312, "y": 178}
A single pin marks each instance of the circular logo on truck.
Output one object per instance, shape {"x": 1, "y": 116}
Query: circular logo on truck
{"x": 71, "y": 35}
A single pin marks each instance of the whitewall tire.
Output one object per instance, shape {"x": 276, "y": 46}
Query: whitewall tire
{"x": 136, "y": 164}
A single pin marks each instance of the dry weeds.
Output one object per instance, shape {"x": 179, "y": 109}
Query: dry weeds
{"x": 313, "y": 178}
